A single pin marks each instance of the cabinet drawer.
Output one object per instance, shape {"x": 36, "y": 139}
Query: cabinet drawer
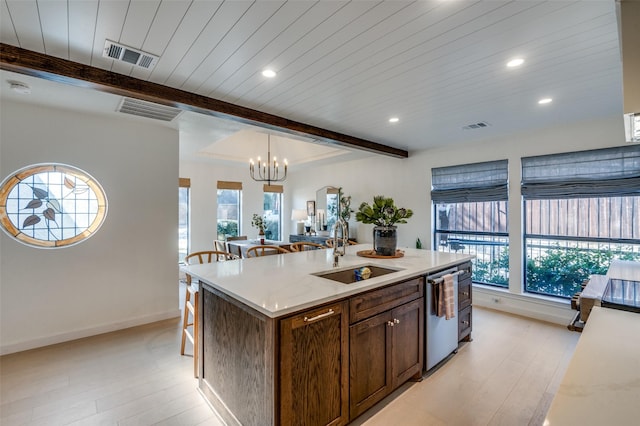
{"x": 369, "y": 304}
{"x": 464, "y": 322}
{"x": 466, "y": 275}
{"x": 464, "y": 293}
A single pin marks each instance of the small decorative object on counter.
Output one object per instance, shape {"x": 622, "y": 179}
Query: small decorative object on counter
{"x": 384, "y": 214}
{"x": 259, "y": 222}
{"x": 363, "y": 273}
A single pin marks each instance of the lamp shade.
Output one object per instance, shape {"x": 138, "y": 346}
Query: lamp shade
{"x": 298, "y": 215}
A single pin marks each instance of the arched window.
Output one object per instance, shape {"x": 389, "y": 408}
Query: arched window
{"x": 51, "y": 205}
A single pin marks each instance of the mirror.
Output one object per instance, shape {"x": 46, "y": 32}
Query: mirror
{"x": 326, "y": 209}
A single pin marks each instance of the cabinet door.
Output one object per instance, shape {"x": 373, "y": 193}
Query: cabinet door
{"x": 465, "y": 317}
{"x": 370, "y": 358}
{"x": 314, "y": 367}
{"x": 407, "y": 341}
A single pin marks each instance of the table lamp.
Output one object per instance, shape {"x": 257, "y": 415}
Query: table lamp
{"x": 299, "y": 216}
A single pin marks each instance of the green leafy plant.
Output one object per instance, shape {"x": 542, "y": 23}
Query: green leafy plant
{"x": 227, "y": 228}
{"x": 383, "y": 212}
{"x": 258, "y": 222}
{"x": 345, "y": 207}
{"x": 560, "y": 271}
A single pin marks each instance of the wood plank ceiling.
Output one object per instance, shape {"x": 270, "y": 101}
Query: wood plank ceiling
{"x": 350, "y": 66}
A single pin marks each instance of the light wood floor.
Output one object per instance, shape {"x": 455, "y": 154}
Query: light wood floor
{"x": 506, "y": 376}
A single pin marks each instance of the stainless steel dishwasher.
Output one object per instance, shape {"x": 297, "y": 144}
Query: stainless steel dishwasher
{"x": 442, "y": 334}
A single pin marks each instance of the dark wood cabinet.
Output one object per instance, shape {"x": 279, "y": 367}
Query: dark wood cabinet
{"x": 370, "y": 358}
{"x": 407, "y": 342}
{"x": 314, "y": 370}
{"x": 464, "y": 324}
{"x": 465, "y": 302}
{"x": 386, "y": 349}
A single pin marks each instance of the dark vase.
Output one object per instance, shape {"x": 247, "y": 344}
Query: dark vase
{"x": 385, "y": 240}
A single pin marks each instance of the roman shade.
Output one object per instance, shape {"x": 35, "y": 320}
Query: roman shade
{"x": 222, "y": 184}
{"x": 475, "y": 182}
{"x": 584, "y": 174}
{"x": 273, "y": 188}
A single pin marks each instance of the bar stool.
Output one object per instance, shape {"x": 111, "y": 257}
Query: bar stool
{"x": 190, "y": 314}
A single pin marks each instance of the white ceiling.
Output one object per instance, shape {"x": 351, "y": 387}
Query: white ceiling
{"x": 345, "y": 66}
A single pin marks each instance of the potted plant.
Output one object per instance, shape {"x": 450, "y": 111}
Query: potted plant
{"x": 259, "y": 222}
{"x": 384, "y": 214}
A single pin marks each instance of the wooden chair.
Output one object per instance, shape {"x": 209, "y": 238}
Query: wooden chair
{"x": 329, "y": 243}
{"x": 237, "y": 252}
{"x": 190, "y": 314}
{"x": 220, "y": 245}
{"x": 266, "y": 250}
{"x": 305, "y": 246}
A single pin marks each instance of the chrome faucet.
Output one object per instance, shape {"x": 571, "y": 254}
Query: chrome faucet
{"x": 339, "y": 244}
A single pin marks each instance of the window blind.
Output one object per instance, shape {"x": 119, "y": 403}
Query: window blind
{"x": 273, "y": 188}
{"x": 475, "y": 182}
{"x": 584, "y": 174}
{"x": 222, "y": 184}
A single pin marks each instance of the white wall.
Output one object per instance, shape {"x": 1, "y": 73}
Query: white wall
{"x": 124, "y": 275}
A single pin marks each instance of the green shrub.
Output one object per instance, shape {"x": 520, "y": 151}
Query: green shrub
{"x": 227, "y": 228}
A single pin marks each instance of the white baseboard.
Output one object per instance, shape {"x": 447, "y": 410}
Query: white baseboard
{"x": 540, "y": 308}
{"x": 87, "y": 332}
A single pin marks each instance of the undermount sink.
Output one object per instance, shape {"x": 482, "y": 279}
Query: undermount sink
{"x": 348, "y": 276}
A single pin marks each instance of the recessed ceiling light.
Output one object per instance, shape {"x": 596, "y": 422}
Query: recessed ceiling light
{"x": 515, "y": 62}
{"x": 269, "y": 73}
{"x": 545, "y": 101}
{"x": 394, "y": 120}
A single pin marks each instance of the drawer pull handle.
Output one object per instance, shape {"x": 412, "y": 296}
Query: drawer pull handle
{"x": 465, "y": 293}
{"x": 390, "y": 323}
{"x": 317, "y": 317}
{"x": 396, "y": 321}
{"x": 465, "y": 322}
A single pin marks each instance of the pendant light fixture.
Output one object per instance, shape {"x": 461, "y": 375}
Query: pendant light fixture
{"x": 268, "y": 171}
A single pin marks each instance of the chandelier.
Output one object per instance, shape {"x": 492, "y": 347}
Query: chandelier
{"x": 269, "y": 171}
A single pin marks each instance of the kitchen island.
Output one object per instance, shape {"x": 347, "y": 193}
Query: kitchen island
{"x": 281, "y": 345}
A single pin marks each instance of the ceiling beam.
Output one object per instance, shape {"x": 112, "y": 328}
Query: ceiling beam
{"x": 35, "y": 64}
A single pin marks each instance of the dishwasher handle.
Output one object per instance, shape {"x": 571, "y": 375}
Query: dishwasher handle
{"x": 442, "y": 273}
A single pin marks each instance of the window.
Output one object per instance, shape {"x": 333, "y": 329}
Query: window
{"x": 581, "y": 210}
{"x": 183, "y": 218}
{"x": 470, "y": 210}
{"x": 229, "y": 211}
{"x": 273, "y": 212}
{"x": 51, "y": 205}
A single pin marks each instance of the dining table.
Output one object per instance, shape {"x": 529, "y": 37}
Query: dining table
{"x": 241, "y": 246}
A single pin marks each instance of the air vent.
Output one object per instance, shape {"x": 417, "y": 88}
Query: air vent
{"x": 148, "y": 109}
{"x": 479, "y": 125}
{"x": 129, "y": 55}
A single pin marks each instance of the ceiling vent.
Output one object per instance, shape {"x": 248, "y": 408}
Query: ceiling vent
{"x": 129, "y": 55}
{"x": 148, "y": 109}
{"x": 480, "y": 125}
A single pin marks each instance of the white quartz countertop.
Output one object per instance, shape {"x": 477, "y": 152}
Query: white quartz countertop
{"x": 281, "y": 284}
{"x": 602, "y": 383}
